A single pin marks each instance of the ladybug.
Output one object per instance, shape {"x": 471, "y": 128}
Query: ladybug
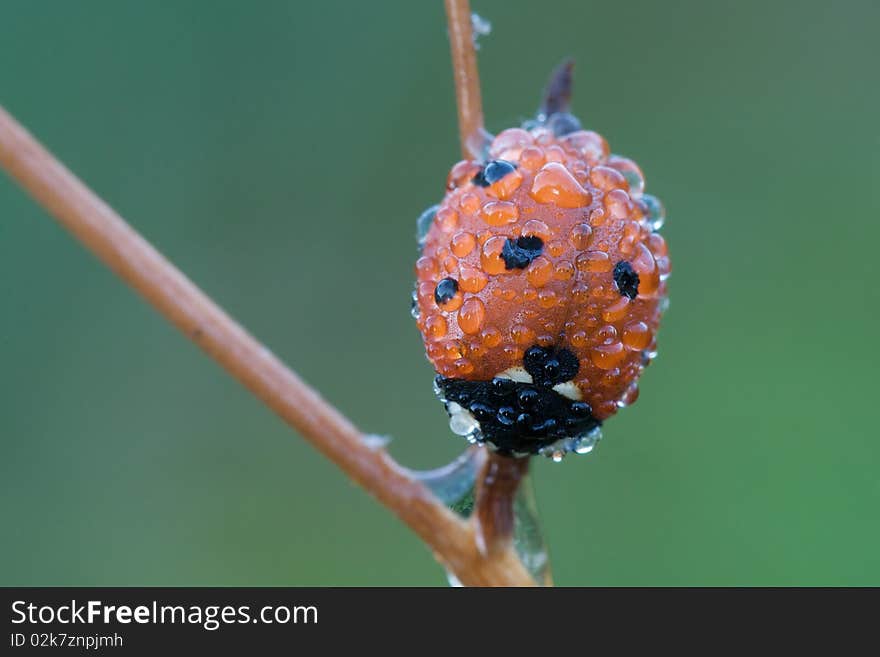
{"x": 540, "y": 285}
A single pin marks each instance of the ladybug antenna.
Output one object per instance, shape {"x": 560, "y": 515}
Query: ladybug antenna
{"x": 557, "y": 94}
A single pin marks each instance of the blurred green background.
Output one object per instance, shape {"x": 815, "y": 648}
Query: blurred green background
{"x": 279, "y": 153}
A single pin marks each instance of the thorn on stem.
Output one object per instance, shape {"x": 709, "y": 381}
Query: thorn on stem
{"x": 557, "y": 94}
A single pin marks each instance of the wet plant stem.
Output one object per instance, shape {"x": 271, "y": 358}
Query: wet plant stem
{"x": 497, "y": 484}
{"x": 138, "y": 263}
{"x": 467, "y": 78}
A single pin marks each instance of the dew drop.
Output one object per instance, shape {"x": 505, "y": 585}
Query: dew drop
{"x": 555, "y": 184}
{"x": 581, "y": 236}
{"x": 447, "y": 219}
{"x": 631, "y": 172}
{"x": 607, "y": 356}
{"x": 598, "y": 217}
{"x": 594, "y": 261}
{"x": 491, "y": 259}
{"x": 463, "y": 367}
{"x": 375, "y": 441}
{"x": 606, "y": 178}
{"x": 471, "y": 279}
{"x": 480, "y": 27}
{"x": 616, "y": 310}
{"x": 462, "y": 244}
{"x": 423, "y": 224}
{"x": 555, "y": 154}
{"x": 540, "y": 272}
{"x": 564, "y": 271}
{"x": 646, "y": 268}
{"x": 471, "y": 315}
{"x": 462, "y": 423}
{"x": 655, "y": 213}
{"x": 629, "y": 396}
{"x": 618, "y": 204}
{"x": 469, "y": 203}
{"x": 500, "y": 213}
{"x": 547, "y": 299}
{"x": 636, "y": 336}
{"x": 435, "y": 326}
{"x": 510, "y": 144}
{"x": 426, "y": 267}
{"x": 588, "y": 144}
{"x": 585, "y": 443}
{"x": 491, "y": 337}
{"x": 414, "y": 305}
{"x": 522, "y": 335}
{"x": 532, "y": 158}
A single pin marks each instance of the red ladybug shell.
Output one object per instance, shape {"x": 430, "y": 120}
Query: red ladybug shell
{"x": 549, "y": 244}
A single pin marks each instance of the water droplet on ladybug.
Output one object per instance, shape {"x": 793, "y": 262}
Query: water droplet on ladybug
{"x": 423, "y": 224}
{"x": 585, "y": 443}
{"x": 494, "y": 171}
{"x": 445, "y": 291}
{"x": 471, "y": 315}
{"x": 414, "y": 305}
{"x": 655, "y": 214}
{"x": 461, "y": 422}
{"x": 554, "y": 184}
{"x": 631, "y": 172}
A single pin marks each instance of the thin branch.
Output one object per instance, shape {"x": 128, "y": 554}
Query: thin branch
{"x": 128, "y": 254}
{"x": 467, "y": 77}
{"x": 497, "y": 484}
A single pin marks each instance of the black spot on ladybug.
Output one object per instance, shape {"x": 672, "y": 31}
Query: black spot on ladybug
{"x": 549, "y": 365}
{"x": 626, "y": 279}
{"x": 494, "y": 171}
{"x": 563, "y": 123}
{"x": 499, "y": 406}
{"x": 518, "y": 253}
{"x": 445, "y": 290}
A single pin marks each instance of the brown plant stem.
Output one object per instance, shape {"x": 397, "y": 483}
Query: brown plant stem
{"x": 131, "y": 257}
{"x": 467, "y": 78}
{"x": 497, "y": 483}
